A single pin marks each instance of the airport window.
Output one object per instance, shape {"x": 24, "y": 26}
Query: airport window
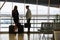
{"x": 38, "y": 12}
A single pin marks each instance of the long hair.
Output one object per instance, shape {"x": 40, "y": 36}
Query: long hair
{"x": 15, "y": 7}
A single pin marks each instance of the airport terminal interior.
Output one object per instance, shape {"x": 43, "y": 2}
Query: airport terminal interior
{"x": 44, "y": 24}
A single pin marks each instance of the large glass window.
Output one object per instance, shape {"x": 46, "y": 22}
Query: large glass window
{"x": 54, "y": 11}
{"x": 40, "y": 14}
{"x": 7, "y": 7}
{"x": 42, "y": 10}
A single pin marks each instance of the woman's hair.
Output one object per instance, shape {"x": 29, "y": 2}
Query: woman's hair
{"x": 15, "y": 7}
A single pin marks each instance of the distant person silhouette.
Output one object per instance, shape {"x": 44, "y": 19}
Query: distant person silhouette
{"x": 15, "y": 16}
{"x": 28, "y": 16}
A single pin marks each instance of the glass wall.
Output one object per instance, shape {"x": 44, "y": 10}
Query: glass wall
{"x": 40, "y": 13}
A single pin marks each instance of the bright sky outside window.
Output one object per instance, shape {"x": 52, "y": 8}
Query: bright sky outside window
{"x": 7, "y": 8}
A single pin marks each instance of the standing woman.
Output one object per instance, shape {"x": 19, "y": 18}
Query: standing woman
{"x": 15, "y": 16}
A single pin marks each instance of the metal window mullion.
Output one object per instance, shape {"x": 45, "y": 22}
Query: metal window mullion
{"x": 36, "y": 10}
{"x": 0, "y": 22}
{"x": 11, "y": 14}
{"x": 0, "y": 17}
{"x": 48, "y": 9}
{"x": 36, "y": 14}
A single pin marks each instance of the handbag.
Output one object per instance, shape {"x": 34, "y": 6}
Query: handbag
{"x": 27, "y": 25}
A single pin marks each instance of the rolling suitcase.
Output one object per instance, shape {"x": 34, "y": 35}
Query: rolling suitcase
{"x": 11, "y": 28}
{"x": 20, "y": 28}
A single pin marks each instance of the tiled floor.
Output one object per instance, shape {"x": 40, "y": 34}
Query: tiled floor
{"x": 25, "y": 37}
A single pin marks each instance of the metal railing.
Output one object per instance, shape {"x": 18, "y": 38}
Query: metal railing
{"x": 36, "y": 20}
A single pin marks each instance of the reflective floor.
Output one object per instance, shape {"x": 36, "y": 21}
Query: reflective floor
{"x": 25, "y": 37}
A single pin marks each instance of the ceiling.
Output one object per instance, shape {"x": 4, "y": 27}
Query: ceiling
{"x": 53, "y": 3}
